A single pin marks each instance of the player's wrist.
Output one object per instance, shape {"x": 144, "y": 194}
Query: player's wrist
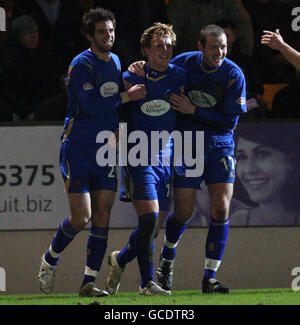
{"x": 125, "y": 96}
{"x": 282, "y": 46}
{"x": 193, "y": 109}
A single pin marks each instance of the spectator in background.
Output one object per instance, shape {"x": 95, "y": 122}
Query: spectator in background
{"x": 54, "y": 107}
{"x": 275, "y": 41}
{"x": 29, "y": 71}
{"x": 286, "y": 103}
{"x": 189, "y": 16}
{"x": 268, "y": 15}
{"x": 133, "y": 17}
{"x": 5, "y": 112}
{"x": 59, "y": 23}
{"x": 292, "y": 2}
{"x": 255, "y": 104}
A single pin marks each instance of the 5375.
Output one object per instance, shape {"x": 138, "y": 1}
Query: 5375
{"x": 16, "y": 175}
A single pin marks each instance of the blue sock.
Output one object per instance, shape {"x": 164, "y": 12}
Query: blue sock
{"x": 145, "y": 246}
{"x": 215, "y": 244}
{"x": 174, "y": 230}
{"x": 96, "y": 248}
{"x": 62, "y": 239}
{"x": 129, "y": 252}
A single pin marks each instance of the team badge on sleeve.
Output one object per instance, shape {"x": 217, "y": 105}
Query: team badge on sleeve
{"x": 241, "y": 101}
{"x": 88, "y": 86}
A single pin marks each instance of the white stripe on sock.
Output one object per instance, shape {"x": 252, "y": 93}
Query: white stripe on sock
{"x": 212, "y": 264}
{"x": 169, "y": 244}
{"x": 89, "y": 271}
{"x": 52, "y": 253}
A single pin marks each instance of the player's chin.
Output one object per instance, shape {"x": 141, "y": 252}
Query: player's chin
{"x": 164, "y": 62}
{"x": 107, "y": 46}
{"x": 217, "y": 63}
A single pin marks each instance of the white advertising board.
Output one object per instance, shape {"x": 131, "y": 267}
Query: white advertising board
{"x": 31, "y": 187}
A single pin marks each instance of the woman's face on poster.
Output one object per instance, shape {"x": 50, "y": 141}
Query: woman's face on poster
{"x": 262, "y": 170}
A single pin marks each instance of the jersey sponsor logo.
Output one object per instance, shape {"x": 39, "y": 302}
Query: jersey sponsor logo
{"x": 109, "y": 89}
{"x": 241, "y": 101}
{"x": 202, "y": 99}
{"x": 156, "y": 107}
{"x": 88, "y": 86}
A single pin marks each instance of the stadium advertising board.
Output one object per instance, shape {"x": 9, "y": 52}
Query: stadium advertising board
{"x": 267, "y": 174}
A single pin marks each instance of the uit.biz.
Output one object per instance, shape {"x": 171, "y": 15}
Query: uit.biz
{"x": 14, "y": 204}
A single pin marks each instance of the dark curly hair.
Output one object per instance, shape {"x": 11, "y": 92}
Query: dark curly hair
{"x": 94, "y": 16}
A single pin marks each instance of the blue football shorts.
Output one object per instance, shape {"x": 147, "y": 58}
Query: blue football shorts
{"x": 219, "y": 166}
{"x": 80, "y": 171}
{"x": 146, "y": 183}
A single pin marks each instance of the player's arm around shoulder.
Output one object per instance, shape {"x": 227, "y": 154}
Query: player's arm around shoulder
{"x": 180, "y": 102}
{"x": 132, "y": 91}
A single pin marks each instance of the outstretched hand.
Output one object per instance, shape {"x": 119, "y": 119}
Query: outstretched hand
{"x": 272, "y": 39}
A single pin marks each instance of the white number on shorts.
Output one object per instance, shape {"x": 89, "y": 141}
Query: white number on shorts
{"x": 112, "y": 174}
{"x": 228, "y": 162}
{"x": 168, "y": 186}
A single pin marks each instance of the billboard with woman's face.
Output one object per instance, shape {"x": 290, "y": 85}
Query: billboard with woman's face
{"x": 267, "y": 186}
{"x": 267, "y": 174}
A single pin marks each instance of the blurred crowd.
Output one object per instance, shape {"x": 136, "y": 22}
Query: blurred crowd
{"x": 42, "y": 37}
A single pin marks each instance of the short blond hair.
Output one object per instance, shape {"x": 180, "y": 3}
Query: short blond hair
{"x": 158, "y": 30}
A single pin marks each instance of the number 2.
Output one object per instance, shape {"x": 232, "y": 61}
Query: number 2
{"x": 168, "y": 189}
{"x": 112, "y": 174}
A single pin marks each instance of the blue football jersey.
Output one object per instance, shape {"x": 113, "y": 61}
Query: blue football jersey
{"x": 219, "y": 94}
{"x": 93, "y": 87}
{"x": 154, "y": 113}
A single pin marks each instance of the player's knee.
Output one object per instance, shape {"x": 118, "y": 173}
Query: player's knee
{"x": 183, "y": 212}
{"x": 101, "y": 218}
{"x": 183, "y": 217}
{"x": 79, "y": 223}
{"x": 220, "y": 213}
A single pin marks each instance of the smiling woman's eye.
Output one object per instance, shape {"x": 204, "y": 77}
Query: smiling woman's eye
{"x": 263, "y": 153}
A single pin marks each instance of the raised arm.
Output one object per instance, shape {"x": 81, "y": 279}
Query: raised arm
{"x": 275, "y": 41}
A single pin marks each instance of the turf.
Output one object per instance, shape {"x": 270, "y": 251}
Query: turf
{"x": 280, "y": 296}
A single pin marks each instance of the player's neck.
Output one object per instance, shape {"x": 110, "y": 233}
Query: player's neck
{"x": 104, "y": 56}
{"x": 160, "y": 68}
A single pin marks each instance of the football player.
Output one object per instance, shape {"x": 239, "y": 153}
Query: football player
{"x": 148, "y": 185}
{"x": 215, "y": 96}
{"x": 93, "y": 85}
